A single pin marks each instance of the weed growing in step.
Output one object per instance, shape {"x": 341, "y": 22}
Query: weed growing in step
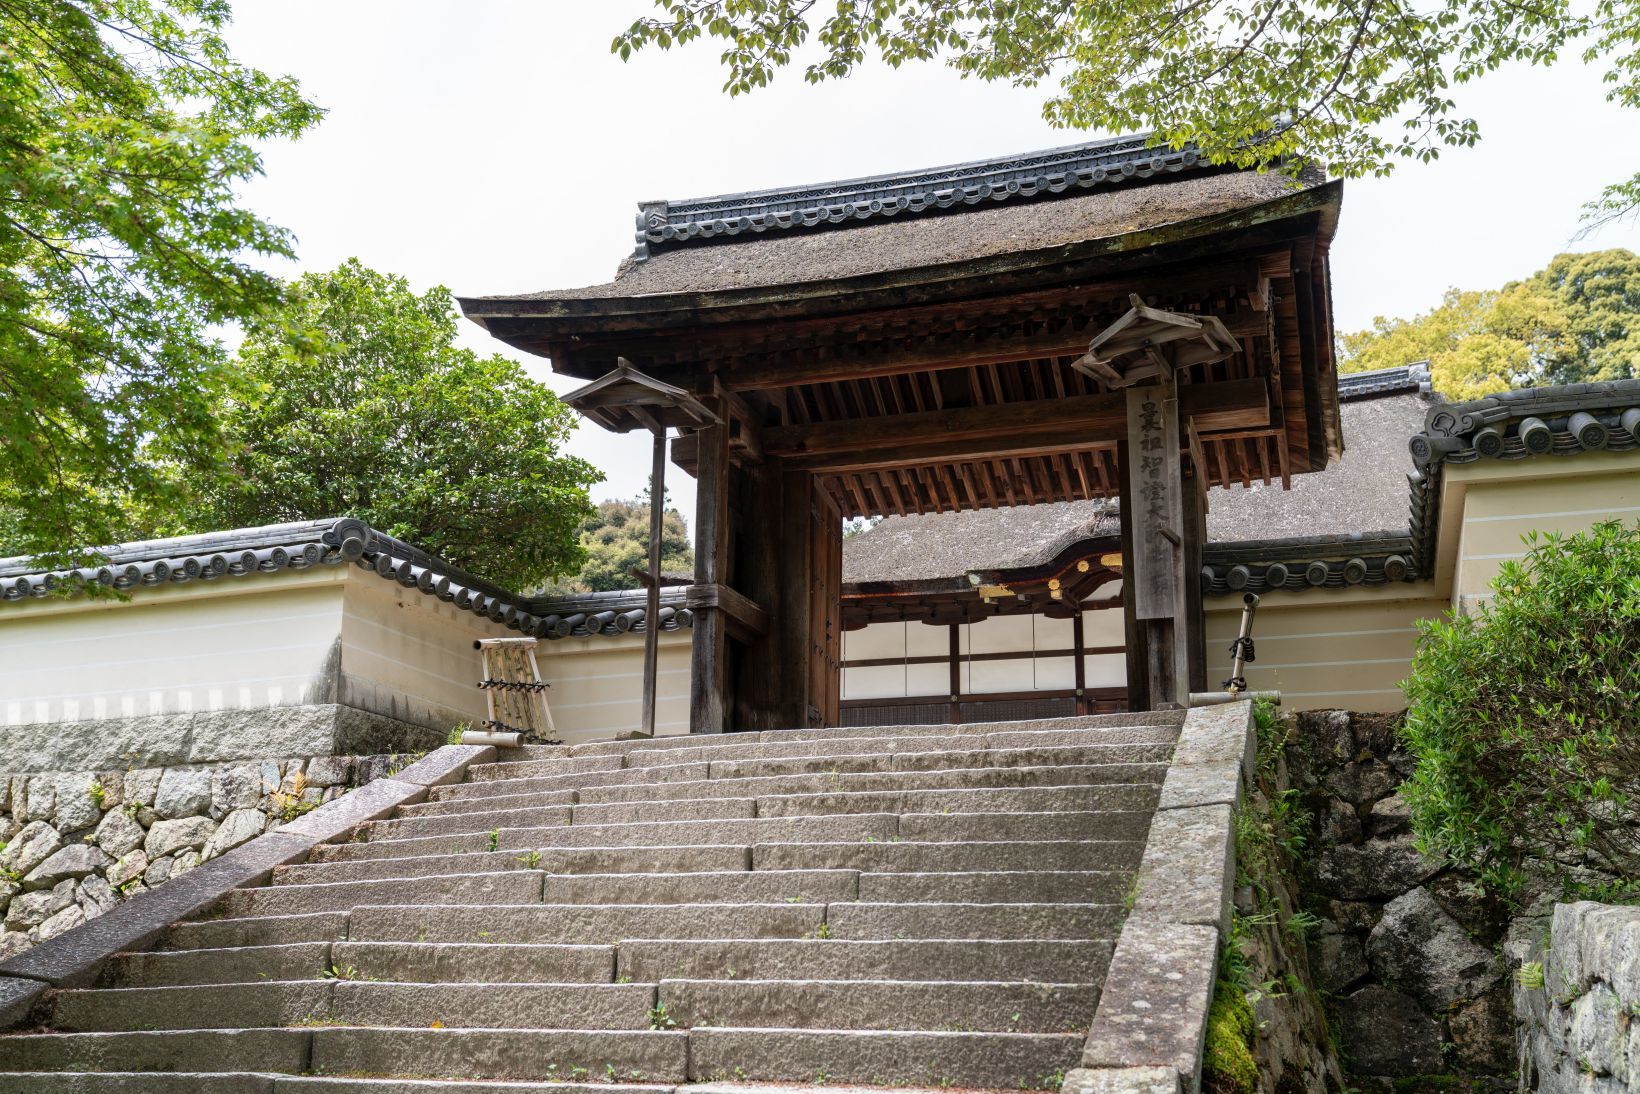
{"x": 660, "y": 1019}
{"x": 1051, "y": 1081}
{"x": 492, "y": 841}
{"x": 530, "y": 861}
{"x": 340, "y": 972}
{"x": 824, "y": 931}
{"x": 98, "y": 792}
{"x": 455, "y": 734}
{"x": 821, "y": 1078}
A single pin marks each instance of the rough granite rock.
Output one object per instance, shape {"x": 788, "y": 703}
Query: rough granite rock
{"x": 77, "y": 807}
{"x": 1388, "y": 1033}
{"x": 238, "y": 786}
{"x": 1483, "y": 1032}
{"x": 131, "y": 864}
{"x": 158, "y": 871}
{"x": 183, "y": 793}
{"x": 237, "y": 827}
{"x": 1362, "y": 783}
{"x": 170, "y": 836}
{"x": 142, "y": 784}
{"x": 74, "y": 861}
{"x": 37, "y": 842}
{"x": 1423, "y": 951}
{"x": 65, "y": 920}
{"x": 42, "y": 797}
{"x": 1337, "y": 959}
{"x": 13, "y": 943}
{"x": 1375, "y": 869}
{"x": 328, "y": 770}
{"x": 1389, "y": 816}
{"x": 32, "y": 909}
{"x": 118, "y": 834}
{"x": 184, "y": 862}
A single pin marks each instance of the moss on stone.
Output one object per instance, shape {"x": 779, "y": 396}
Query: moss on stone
{"x": 1227, "y": 1057}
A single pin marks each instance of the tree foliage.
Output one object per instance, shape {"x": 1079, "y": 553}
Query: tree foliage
{"x": 1576, "y": 321}
{"x": 1525, "y": 718}
{"x": 1351, "y": 85}
{"x": 125, "y": 126}
{"x": 359, "y": 403}
{"x": 616, "y": 538}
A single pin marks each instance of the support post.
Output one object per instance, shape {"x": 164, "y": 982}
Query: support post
{"x": 955, "y": 713}
{"x": 652, "y": 616}
{"x": 1138, "y": 689}
{"x": 1079, "y": 641}
{"x": 709, "y": 648}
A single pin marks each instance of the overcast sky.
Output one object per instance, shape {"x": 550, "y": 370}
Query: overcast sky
{"x": 498, "y": 146}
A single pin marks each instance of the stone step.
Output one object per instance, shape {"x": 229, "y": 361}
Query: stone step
{"x": 1066, "y": 921}
{"x": 230, "y": 1082}
{"x": 550, "y": 765}
{"x": 576, "y": 1055}
{"x": 354, "y": 1003}
{"x": 950, "y": 857}
{"x": 216, "y": 934}
{"x": 1035, "y": 1061}
{"x": 234, "y": 965}
{"x": 886, "y": 747}
{"x": 556, "y": 860}
{"x": 648, "y": 834}
{"x": 478, "y": 963}
{"x": 1081, "y": 961}
{"x": 478, "y": 821}
{"x": 1119, "y": 797}
{"x": 1127, "y": 824}
{"x": 1010, "y": 1007}
{"x": 448, "y": 807}
{"x": 232, "y": 1005}
{"x": 945, "y": 760}
{"x": 584, "y": 923}
{"x": 727, "y": 887}
{"x": 508, "y": 887}
{"x": 283, "y": 1050}
{"x": 983, "y": 778}
{"x": 992, "y": 887}
{"x": 548, "y": 783}
{"x": 639, "y": 812}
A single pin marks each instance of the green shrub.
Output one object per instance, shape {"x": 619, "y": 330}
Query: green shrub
{"x": 1525, "y": 717}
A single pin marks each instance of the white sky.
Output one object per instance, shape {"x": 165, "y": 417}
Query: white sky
{"x": 498, "y": 146}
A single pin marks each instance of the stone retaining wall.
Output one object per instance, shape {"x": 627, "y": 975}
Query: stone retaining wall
{"x": 76, "y": 844}
{"x": 1408, "y": 950}
{"x": 1577, "y": 998}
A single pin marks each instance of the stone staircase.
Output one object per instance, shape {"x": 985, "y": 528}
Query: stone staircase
{"x": 909, "y": 905}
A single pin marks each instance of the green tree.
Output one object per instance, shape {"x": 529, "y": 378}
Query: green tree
{"x": 359, "y": 403}
{"x": 125, "y": 126}
{"x": 1576, "y": 321}
{"x": 1525, "y": 718}
{"x": 1353, "y": 86}
{"x": 616, "y": 538}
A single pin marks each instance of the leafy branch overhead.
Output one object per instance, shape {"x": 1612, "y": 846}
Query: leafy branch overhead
{"x": 125, "y": 126}
{"x": 1352, "y": 85}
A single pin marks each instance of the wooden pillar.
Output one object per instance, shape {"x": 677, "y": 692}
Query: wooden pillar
{"x": 954, "y": 716}
{"x": 1138, "y": 685}
{"x": 1080, "y": 644}
{"x": 1192, "y": 623}
{"x": 709, "y": 646}
{"x": 1155, "y": 491}
{"x": 652, "y": 614}
{"x": 759, "y": 568}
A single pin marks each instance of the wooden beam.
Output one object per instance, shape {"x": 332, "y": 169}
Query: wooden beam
{"x": 1036, "y": 427}
{"x": 742, "y": 611}
{"x": 941, "y": 354}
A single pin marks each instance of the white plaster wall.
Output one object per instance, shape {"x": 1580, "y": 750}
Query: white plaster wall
{"x": 237, "y": 644}
{"x": 597, "y": 684}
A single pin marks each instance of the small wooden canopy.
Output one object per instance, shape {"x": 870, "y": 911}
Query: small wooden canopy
{"x": 625, "y": 399}
{"x": 1147, "y": 342}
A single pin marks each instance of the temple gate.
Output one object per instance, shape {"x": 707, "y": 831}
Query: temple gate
{"x": 1098, "y": 321}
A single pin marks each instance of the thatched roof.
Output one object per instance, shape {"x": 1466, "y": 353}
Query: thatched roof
{"x": 939, "y": 545}
{"x": 904, "y": 244}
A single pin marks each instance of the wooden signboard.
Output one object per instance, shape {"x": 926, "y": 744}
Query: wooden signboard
{"x": 1156, "y": 495}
